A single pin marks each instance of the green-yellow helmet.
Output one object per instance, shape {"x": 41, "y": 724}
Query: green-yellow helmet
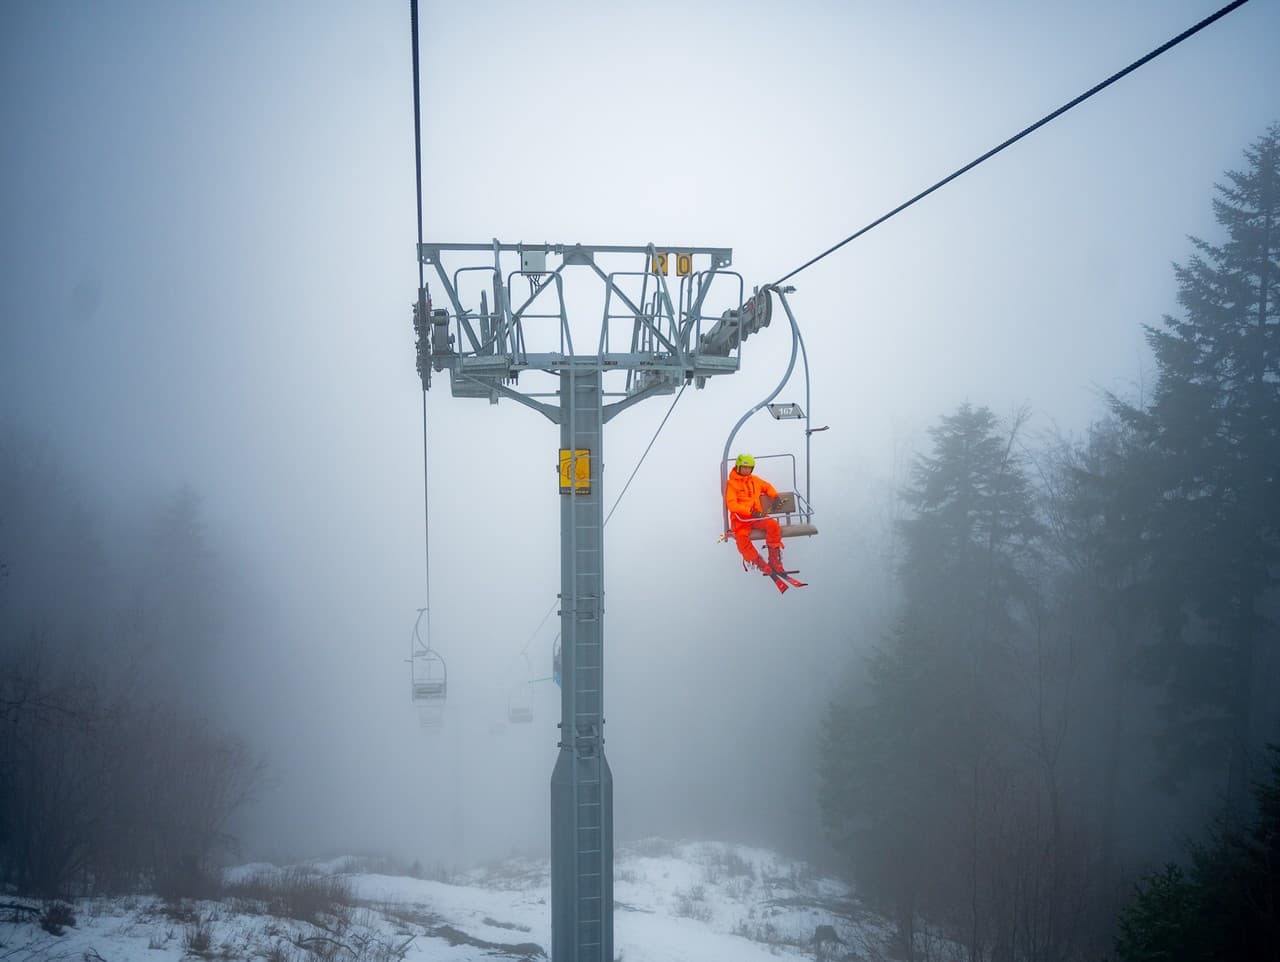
{"x": 745, "y": 461}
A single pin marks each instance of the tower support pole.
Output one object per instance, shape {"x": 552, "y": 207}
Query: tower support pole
{"x": 581, "y": 784}
{"x": 485, "y": 354}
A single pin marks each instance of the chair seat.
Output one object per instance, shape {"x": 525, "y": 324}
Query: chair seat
{"x": 788, "y": 531}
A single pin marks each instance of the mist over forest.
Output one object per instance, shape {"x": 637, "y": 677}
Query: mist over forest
{"x": 1037, "y": 658}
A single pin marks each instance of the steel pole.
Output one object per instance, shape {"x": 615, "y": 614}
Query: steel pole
{"x": 582, "y": 785}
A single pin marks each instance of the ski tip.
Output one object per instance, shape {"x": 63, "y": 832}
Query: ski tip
{"x": 782, "y": 581}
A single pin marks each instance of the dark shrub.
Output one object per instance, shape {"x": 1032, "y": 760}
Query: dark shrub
{"x": 187, "y": 877}
{"x": 198, "y": 938}
{"x": 56, "y": 917}
{"x": 296, "y": 893}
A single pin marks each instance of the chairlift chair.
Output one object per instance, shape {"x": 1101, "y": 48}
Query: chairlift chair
{"x": 428, "y": 673}
{"x": 430, "y": 677}
{"x": 794, "y": 514}
{"x": 520, "y": 700}
{"x": 791, "y": 508}
{"x": 519, "y": 714}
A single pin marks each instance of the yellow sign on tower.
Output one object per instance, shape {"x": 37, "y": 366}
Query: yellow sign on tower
{"x": 581, "y": 480}
{"x": 660, "y": 263}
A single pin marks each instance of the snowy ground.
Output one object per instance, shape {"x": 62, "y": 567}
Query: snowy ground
{"x": 674, "y": 902}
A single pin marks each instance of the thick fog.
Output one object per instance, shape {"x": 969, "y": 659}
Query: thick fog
{"x": 209, "y": 230}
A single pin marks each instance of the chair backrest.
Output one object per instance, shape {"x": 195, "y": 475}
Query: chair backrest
{"x": 784, "y": 503}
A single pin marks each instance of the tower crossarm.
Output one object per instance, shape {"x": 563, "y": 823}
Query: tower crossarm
{"x": 665, "y": 315}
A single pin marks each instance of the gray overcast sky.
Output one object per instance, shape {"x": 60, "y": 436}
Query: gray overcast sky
{"x": 208, "y": 237}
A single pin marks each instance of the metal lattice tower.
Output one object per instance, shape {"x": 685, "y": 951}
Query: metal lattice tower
{"x": 666, "y": 342}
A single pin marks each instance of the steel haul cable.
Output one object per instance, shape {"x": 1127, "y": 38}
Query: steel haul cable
{"x": 1016, "y": 137}
{"x": 646, "y": 454}
{"x": 417, "y": 159}
{"x": 417, "y": 129}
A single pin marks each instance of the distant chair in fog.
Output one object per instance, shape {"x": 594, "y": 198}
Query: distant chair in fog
{"x": 520, "y": 704}
{"x": 429, "y": 675}
{"x": 431, "y": 717}
{"x": 430, "y": 678}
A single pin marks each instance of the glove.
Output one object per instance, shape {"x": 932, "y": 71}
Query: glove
{"x": 757, "y": 513}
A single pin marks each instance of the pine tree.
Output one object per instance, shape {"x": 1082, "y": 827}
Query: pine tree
{"x": 1213, "y": 426}
{"x": 1100, "y": 508}
{"x": 1227, "y": 906}
{"x": 1162, "y": 922}
{"x": 915, "y": 769}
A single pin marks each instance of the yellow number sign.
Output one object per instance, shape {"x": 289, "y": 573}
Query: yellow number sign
{"x": 581, "y": 481}
{"x": 684, "y": 264}
{"x": 658, "y": 264}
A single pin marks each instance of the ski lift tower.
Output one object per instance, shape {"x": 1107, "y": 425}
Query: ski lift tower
{"x": 505, "y": 321}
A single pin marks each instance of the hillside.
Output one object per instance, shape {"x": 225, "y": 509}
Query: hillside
{"x": 675, "y": 901}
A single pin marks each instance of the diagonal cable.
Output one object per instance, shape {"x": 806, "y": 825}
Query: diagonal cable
{"x": 1018, "y": 136}
{"x": 646, "y": 453}
{"x": 611, "y": 510}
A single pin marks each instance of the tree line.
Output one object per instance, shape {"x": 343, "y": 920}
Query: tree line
{"x": 116, "y": 773}
{"x": 1083, "y": 666}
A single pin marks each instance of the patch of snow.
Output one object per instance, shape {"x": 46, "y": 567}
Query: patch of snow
{"x": 674, "y": 902}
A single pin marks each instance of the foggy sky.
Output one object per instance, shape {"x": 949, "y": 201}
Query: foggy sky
{"x": 209, "y": 264}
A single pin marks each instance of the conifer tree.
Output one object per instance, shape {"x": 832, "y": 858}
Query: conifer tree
{"x": 1227, "y": 906}
{"x": 1100, "y": 508}
{"x": 914, "y": 771}
{"x": 1213, "y": 427}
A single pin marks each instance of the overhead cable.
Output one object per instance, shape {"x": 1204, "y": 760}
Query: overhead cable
{"x": 417, "y": 132}
{"x": 611, "y": 510}
{"x": 417, "y": 158}
{"x": 646, "y": 454}
{"x": 1014, "y": 139}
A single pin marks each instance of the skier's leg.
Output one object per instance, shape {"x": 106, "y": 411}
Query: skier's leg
{"x": 773, "y": 538}
{"x": 742, "y": 535}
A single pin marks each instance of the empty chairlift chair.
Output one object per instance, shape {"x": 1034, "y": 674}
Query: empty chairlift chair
{"x": 430, "y": 687}
{"x": 430, "y": 678}
{"x": 520, "y": 705}
{"x": 428, "y": 673}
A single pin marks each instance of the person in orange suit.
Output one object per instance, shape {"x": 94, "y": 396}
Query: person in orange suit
{"x": 742, "y": 498}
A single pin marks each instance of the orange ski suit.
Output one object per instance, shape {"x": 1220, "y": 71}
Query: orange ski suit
{"x": 742, "y": 497}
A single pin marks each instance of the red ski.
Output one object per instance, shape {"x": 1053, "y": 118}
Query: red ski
{"x": 779, "y": 576}
{"x": 779, "y": 579}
